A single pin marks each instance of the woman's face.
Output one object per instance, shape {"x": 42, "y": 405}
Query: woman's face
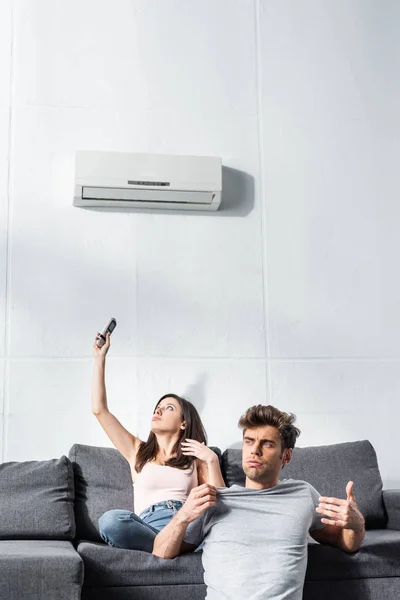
{"x": 167, "y": 417}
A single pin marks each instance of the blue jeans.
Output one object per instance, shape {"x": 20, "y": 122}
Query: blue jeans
{"x": 123, "y": 529}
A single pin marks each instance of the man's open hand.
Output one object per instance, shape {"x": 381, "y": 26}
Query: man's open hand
{"x": 200, "y": 498}
{"x": 341, "y": 513}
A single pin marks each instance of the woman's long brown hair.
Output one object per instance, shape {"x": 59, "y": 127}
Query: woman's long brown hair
{"x": 194, "y": 430}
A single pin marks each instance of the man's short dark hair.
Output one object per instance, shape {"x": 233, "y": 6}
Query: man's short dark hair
{"x": 260, "y": 416}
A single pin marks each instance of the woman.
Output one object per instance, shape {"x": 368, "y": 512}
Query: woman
{"x": 164, "y": 469}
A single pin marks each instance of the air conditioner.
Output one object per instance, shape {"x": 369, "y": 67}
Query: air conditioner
{"x": 124, "y": 180}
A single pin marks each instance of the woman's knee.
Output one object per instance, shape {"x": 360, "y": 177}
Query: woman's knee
{"x": 124, "y": 529}
{"x": 110, "y": 521}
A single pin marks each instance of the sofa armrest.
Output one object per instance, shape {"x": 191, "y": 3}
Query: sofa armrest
{"x": 391, "y": 500}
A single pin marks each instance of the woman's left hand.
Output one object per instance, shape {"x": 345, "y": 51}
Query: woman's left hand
{"x": 199, "y": 450}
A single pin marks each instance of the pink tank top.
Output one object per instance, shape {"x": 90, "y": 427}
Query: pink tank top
{"x": 156, "y": 483}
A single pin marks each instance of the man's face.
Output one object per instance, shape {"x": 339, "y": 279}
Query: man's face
{"x": 262, "y": 456}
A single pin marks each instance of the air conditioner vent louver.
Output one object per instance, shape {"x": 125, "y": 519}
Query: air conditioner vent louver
{"x": 158, "y": 183}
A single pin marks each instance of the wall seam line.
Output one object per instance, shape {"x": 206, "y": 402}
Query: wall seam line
{"x": 262, "y": 195}
{"x": 8, "y": 247}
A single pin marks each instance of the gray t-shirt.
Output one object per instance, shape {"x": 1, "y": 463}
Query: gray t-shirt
{"x": 255, "y": 541}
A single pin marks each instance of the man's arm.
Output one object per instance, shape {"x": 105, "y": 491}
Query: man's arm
{"x": 345, "y": 526}
{"x": 169, "y": 541}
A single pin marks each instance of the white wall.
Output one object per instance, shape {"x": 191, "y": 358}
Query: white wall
{"x": 289, "y": 295}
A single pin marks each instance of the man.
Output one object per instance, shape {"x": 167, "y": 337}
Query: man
{"x": 255, "y": 538}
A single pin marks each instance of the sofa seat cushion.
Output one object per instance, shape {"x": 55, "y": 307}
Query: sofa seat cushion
{"x": 37, "y": 500}
{"x": 107, "y": 567}
{"x": 377, "y": 557}
{"x": 113, "y": 567}
{"x": 40, "y": 570}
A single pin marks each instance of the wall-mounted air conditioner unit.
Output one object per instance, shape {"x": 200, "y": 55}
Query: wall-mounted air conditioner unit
{"x": 124, "y": 180}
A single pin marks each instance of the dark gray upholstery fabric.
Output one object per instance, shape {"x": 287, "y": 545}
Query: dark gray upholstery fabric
{"x": 107, "y": 567}
{"x": 103, "y": 481}
{"x": 40, "y": 570}
{"x": 36, "y": 500}
{"x": 379, "y": 556}
{"x": 328, "y": 469}
{"x": 150, "y": 592}
{"x": 355, "y": 589}
{"x": 232, "y": 470}
{"x": 391, "y": 500}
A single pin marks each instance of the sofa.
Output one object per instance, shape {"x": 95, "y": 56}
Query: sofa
{"x": 50, "y": 547}
{"x": 38, "y": 560}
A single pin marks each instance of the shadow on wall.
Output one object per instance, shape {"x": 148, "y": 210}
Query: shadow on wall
{"x": 238, "y": 198}
{"x": 238, "y": 193}
{"x": 196, "y": 392}
{"x": 236, "y": 446}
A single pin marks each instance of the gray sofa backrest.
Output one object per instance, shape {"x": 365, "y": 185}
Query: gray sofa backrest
{"x": 103, "y": 481}
{"x": 36, "y": 500}
{"x": 328, "y": 469}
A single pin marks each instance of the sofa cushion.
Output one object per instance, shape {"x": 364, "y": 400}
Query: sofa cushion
{"x": 328, "y": 469}
{"x": 36, "y": 500}
{"x": 391, "y": 500}
{"x": 377, "y": 557}
{"x": 106, "y": 567}
{"x": 380, "y": 588}
{"x": 103, "y": 481}
{"x": 150, "y": 592}
{"x": 40, "y": 570}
